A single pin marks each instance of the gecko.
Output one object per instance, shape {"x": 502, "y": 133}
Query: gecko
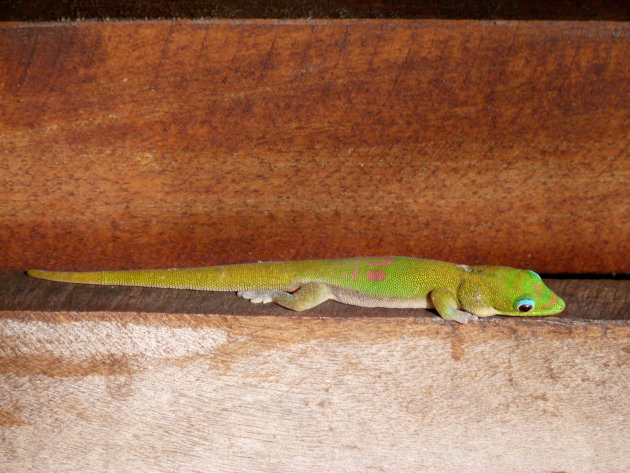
{"x": 456, "y": 291}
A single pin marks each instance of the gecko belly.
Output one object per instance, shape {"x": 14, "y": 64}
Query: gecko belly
{"x": 348, "y": 296}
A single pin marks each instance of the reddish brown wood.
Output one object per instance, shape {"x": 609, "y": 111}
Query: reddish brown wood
{"x": 148, "y": 144}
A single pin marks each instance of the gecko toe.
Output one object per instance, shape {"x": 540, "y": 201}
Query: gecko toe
{"x": 463, "y": 317}
{"x": 256, "y": 297}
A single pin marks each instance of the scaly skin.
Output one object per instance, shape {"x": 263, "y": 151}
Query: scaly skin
{"x": 457, "y": 292}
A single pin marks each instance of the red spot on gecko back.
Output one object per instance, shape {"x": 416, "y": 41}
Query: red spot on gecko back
{"x": 355, "y": 274}
{"x": 375, "y": 275}
{"x": 385, "y": 262}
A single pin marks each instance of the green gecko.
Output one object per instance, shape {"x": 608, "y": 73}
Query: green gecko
{"x": 458, "y": 292}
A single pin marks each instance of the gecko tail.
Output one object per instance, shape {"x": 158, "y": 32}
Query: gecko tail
{"x": 50, "y": 275}
{"x": 88, "y": 277}
{"x": 37, "y": 273}
{"x": 212, "y": 278}
{"x": 194, "y": 278}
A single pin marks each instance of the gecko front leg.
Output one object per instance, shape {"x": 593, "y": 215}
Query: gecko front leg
{"x": 445, "y": 303}
{"x": 306, "y": 297}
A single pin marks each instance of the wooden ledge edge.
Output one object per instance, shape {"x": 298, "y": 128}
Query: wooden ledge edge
{"x": 419, "y": 317}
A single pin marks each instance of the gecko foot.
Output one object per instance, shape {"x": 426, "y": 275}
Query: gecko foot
{"x": 463, "y": 317}
{"x": 257, "y": 297}
{"x": 305, "y": 297}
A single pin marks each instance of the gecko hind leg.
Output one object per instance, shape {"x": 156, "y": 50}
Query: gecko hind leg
{"x": 306, "y": 297}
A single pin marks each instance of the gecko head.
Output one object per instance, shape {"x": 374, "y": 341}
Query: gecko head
{"x": 518, "y": 292}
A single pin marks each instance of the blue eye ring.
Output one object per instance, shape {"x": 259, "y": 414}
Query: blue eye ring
{"x": 524, "y": 305}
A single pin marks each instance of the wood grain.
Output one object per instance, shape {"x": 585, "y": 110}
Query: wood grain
{"x": 147, "y": 392}
{"x": 152, "y": 144}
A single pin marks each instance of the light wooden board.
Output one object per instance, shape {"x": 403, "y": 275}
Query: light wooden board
{"x": 146, "y": 392}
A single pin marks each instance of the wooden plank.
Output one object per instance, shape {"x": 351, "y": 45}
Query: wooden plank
{"x": 146, "y": 392}
{"x": 145, "y": 144}
{"x": 591, "y": 299}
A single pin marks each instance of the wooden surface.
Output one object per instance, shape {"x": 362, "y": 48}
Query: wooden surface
{"x": 161, "y": 144}
{"x": 146, "y": 392}
{"x": 151, "y": 144}
{"x": 589, "y": 299}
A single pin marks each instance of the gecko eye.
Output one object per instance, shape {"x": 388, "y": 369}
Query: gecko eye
{"x": 524, "y": 305}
